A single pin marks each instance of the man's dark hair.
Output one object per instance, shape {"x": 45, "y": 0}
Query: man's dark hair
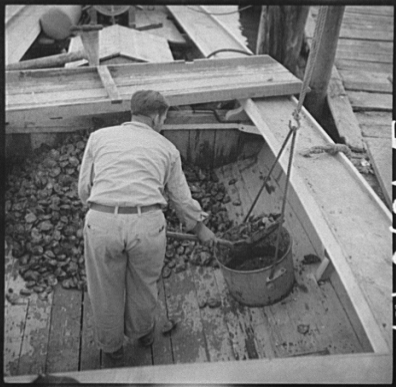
{"x": 148, "y": 102}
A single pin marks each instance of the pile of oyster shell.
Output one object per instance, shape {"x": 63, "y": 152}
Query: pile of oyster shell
{"x": 44, "y": 218}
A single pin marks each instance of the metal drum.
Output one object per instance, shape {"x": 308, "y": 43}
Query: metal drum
{"x": 254, "y": 287}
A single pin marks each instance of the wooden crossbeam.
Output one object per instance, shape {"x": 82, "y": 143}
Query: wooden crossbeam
{"x": 109, "y": 84}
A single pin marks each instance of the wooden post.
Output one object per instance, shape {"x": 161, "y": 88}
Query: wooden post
{"x": 90, "y": 39}
{"x": 281, "y": 34}
{"x": 327, "y": 46}
{"x": 132, "y": 17}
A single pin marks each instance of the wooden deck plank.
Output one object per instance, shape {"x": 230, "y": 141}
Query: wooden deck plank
{"x": 370, "y": 101}
{"x": 341, "y": 369}
{"x": 64, "y": 340}
{"x": 375, "y": 124}
{"x": 34, "y": 351}
{"x": 366, "y": 81}
{"x": 380, "y": 152}
{"x": 90, "y": 353}
{"x": 162, "y": 346}
{"x": 188, "y": 340}
{"x": 351, "y": 64}
{"x": 201, "y": 148}
{"x": 215, "y": 329}
{"x": 14, "y": 314}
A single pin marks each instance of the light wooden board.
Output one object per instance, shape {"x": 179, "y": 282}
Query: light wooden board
{"x": 90, "y": 353}
{"x": 64, "y": 337}
{"x": 213, "y": 319}
{"x": 72, "y": 92}
{"x": 158, "y": 14}
{"x": 36, "y": 335}
{"x": 375, "y": 124}
{"x": 380, "y": 151}
{"x": 21, "y": 31}
{"x": 351, "y": 64}
{"x": 365, "y": 80}
{"x": 162, "y": 346}
{"x": 130, "y": 43}
{"x": 337, "y": 369}
{"x": 188, "y": 340}
{"x": 370, "y": 101}
{"x": 14, "y": 315}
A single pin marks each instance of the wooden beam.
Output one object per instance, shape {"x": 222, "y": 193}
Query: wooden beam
{"x": 344, "y": 369}
{"x": 109, "y": 84}
{"x": 326, "y": 52}
{"x": 40, "y": 94}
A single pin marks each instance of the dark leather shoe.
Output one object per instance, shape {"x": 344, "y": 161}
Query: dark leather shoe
{"x": 147, "y": 339}
{"x": 116, "y": 355}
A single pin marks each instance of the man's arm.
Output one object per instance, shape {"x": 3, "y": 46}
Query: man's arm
{"x": 187, "y": 209}
{"x": 85, "y": 179}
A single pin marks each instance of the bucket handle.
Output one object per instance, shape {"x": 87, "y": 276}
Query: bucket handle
{"x": 279, "y": 273}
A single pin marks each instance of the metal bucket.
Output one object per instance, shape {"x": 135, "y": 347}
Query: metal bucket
{"x": 254, "y": 287}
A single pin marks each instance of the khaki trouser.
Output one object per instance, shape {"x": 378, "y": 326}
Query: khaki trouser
{"x": 124, "y": 254}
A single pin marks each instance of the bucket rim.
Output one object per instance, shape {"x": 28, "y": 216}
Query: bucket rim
{"x": 263, "y": 268}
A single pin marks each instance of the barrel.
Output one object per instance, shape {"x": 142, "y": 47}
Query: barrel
{"x": 255, "y": 287}
{"x": 57, "y": 20}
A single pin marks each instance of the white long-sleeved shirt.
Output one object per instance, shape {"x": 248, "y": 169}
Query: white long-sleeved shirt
{"x": 132, "y": 165}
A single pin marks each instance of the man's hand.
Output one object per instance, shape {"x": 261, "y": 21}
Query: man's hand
{"x": 204, "y": 234}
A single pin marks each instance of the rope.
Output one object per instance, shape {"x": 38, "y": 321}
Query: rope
{"x": 312, "y": 57}
{"x": 220, "y": 13}
{"x": 296, "y": 115}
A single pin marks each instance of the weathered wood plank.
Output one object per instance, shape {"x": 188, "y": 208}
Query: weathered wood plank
{"x": 351, "y": 64}
{"x": 342, "y": 369}
{"x": 162, "y": 347}
{"x": 215, "y": 329}
{"x": 375, "y": 124}
{"x": 342, "y": 113}
{"x": 366, "y": 81}
{"x": 380, "y": 151}
{"x": 227, "y": 147}
{"x": 64, "y": 339}
{"x": 109, "y": 84}
{"x": 36, "y": 336}
{"x": 34, "y": 96}
{"x": 181, "y": 140}
{"x": 135, "y": 355}
{"x": 188, "y": 340}
{"x": 202, "y": 146}
{"x": 90, "y": 353}
{"x": 14, "y": 314}
{"x": 370, "y": 101}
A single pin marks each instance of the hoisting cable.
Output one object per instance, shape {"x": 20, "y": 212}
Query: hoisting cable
{"x": 296, "y": 115}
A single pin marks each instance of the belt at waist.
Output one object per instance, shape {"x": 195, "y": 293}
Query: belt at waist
{"x": 123, "y": 210}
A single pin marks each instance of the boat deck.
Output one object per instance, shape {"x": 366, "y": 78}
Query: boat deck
{"x": 364, "y": 61}
{"x": 57, "y": 335}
